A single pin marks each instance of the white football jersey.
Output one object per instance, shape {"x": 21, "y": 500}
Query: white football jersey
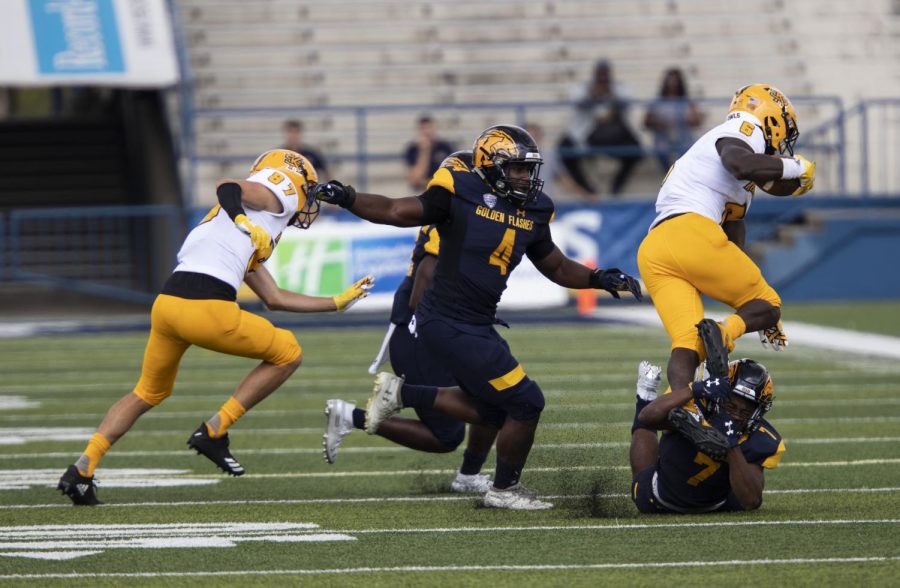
{"x": 698, "y": 182}
{"x": 217, "y": 248}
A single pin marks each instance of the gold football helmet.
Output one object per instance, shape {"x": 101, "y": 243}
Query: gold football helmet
{"x": 302, "y": 174}
{"x": 774, "y": 111}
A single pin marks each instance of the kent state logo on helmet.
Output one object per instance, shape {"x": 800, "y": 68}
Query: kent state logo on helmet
{"x": 498, "y": 147}
{"x": 776, "y": 115}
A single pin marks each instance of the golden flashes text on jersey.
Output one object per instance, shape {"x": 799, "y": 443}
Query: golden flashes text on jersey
{"x": 502, "y": 217}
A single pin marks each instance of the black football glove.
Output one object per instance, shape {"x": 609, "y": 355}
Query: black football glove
{"x": 334, "y": 192}
{"x": 724, "y": 424}
{"x": 614, "y": 280}
{"x": 713, "y": 390}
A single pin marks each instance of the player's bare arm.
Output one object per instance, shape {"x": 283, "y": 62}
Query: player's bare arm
{"x": 567, "y": 272}
{"x": 736, "y": 232}
{"x": 744, "y": 164}
{"x": 263, "y": 285}
{"x": 424, "y": 274}
{"x": 655, "y": 414}
{"x": 746, "y": 479}
{"x": 399, "y": 212}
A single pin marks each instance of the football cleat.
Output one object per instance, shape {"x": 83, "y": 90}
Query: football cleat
{"x": 774, "y": 337}
{"x": 475, "y": 483}
{"x": 704, "y": 437}
{"x": 648, "y": 381}
{"x": 384, "y": 402}
{"x": 215, "y": 449}
{"x": 338, "y": 424}
{"x": 717, "y": 344}
{"x": 81, "y": 489}
{"x": 516, "y": 497}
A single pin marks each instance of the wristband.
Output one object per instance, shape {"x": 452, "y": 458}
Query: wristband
{"x": 792, "y": 168}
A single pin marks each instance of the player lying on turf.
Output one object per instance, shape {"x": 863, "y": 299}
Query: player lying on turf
{"x": 713, "y": 460}
{"x": 197, "y": 306}
{"x": 434, "y": 431}
{"x": 488, "y": 219}
{"x": 695, "y": 243}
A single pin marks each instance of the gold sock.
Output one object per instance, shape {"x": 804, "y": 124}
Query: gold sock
{"x": 734, "y": 326}
{"x": 96, "y": 448}
{"x": 227, "y": 415}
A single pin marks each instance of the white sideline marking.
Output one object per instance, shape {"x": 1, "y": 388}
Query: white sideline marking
{"x": 393, "y": 449}
{"x": 22, "y": 435}
{"x": 510, "y": 568}
{"x": 423, "y": 498}
{"x": 802, "y": 333}
{"x": 71, "y": 541}
{"x": 17, "y": 403}
{"x": 23, "y": 479}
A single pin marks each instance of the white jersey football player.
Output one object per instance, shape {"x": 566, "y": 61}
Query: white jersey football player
{"x": 695, "y": 243}
{"x": 197, "y": 306}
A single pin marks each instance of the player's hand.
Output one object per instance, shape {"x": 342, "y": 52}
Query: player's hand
{"x": 713, "y": 390}
{"x": 334, "y": 192}
{"x": 354, "y": 293}
{"x": 807, "y": 175}
{"x": 774, "y": 337}
{"x": 614, "y": 280}
{"x": 260, "y": 238}
{"x": 723, "y": 423}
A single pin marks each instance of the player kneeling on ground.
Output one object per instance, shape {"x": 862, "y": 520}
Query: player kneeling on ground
{"x": 197, "y": 306}
{"x": 713, "y": 460}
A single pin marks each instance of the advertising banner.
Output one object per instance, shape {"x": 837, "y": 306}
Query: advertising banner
{"x": 92, "y": 42}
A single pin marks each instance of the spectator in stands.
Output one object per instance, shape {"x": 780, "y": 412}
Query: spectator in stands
{"x": 557, "y": 181}
{"x": 599, "y": 120}
{"x": 293, "y": 140}
{"x": 425, "y": 154}
{"x": 671, "y": 117}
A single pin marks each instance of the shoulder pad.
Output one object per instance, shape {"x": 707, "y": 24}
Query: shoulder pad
{"x": 442, "y": 178}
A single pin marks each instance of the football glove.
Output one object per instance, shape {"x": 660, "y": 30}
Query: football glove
{"x": 724, "y": 424}
{"x": 713, "y": 390}
{"x": 613, "y": 280}
{"x": 334, "y": 192}
{"x": 807, "y": 175}
{"x": 260, "y": 238}
{"x": 354, "y": 293}
{"x": 774, "y": 337}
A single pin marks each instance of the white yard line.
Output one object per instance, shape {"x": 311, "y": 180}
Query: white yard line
{"x": 475, "y": 568}
{"x": 397, "y": 449}
{"x": 414, "y": 499}
{"x": 804, "y": 334}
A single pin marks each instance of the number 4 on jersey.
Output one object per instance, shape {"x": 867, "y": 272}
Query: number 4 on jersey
{"x": 503, "y": 253}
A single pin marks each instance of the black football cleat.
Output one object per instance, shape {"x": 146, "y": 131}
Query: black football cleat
{"x": 215, "y": 449}
{"x": 81, "y": 489}
{"x": 716, "y": 351}
{"x": 704, "y": 437}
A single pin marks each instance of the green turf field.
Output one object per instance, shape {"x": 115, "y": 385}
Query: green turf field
{"x": 381, "y": 515}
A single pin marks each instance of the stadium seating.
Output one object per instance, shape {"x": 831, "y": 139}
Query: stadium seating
{"x": 285, "y": 54}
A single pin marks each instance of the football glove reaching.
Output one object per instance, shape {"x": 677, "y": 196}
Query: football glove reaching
{"x": 334, "y": 192}
{"x": 614, "y": 280}
{"x": 354, "y": 293}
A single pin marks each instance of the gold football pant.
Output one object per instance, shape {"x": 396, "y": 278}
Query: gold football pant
{"x": 219, "y": 325}
{"x": 690, "y": 255}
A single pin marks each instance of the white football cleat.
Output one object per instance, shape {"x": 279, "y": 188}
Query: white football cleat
{"x": 475, "y": 483}
{"x": 648, "y": 381}
{"x": 384, "y": 402}
{"x": 516, "y": 497}
{"x": 338, "y": 424}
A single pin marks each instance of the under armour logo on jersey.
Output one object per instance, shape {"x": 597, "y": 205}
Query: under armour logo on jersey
{"x": 711, "y": 383}
{"x": 728, "y": 428}
{"x": 490, "y": 200}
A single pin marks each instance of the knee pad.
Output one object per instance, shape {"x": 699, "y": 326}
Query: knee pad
{"x": 284, "y": 349}
{"x": 527, "y": 403}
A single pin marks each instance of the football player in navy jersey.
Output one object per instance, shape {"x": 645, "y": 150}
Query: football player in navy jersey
{"x": 714, "y": 458}
{"x": 488, "y": 219}
{"x": 435, "y": 431}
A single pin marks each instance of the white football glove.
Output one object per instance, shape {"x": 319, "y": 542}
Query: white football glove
{"x": 774, "y": 337}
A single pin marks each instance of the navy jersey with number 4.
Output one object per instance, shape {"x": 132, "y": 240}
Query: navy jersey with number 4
{"x": 690, "y": 479}
{"x": 427, "y": 243}
{"x": 483, "y": 238}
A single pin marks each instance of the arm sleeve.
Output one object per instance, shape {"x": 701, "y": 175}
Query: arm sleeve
{"x": 542, "y": 246}
{"x": 435, "y": 205}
